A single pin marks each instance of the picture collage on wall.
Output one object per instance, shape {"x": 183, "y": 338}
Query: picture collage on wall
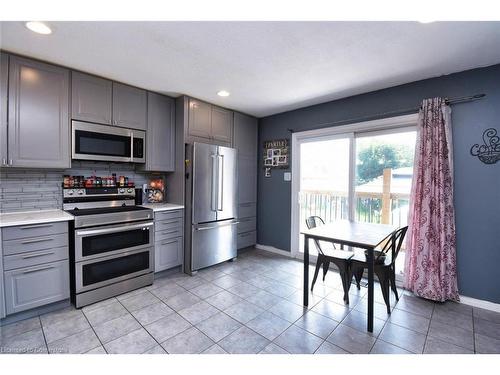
{"x": 276, "y": 154}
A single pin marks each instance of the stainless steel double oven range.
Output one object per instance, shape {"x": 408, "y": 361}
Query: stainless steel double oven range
{"x": 111, "y": 243}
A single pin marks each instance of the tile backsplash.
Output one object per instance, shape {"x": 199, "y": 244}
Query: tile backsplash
{"x": 39, "y": 189}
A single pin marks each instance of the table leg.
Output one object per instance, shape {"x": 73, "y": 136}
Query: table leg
{"x": 369, "y": 260}
{"x": 306, "y": 270}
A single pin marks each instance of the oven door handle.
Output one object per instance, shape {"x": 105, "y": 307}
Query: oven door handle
{"x": 91, "y": 232}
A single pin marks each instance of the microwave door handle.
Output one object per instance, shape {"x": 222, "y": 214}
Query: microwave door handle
{"x": 213, "y": 198}
{"x": 220, "y": 182}
{"x": 131, "y": 146}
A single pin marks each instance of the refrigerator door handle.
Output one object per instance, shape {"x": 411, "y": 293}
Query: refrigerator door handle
{"x": 215, "y": 188}
{"x": 220, "y": 182}
{"x": 217, "y": 226}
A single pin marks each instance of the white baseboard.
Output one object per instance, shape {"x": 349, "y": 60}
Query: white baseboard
{"x": 274, "y": 250}
{"x": 487, "y": 305}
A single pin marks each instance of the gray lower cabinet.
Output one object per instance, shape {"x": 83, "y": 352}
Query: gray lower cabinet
{"x": 168, "y": 253}
{"x": 160, "y": 134}
{"x": 2, "y": 295}
{"x": 35, "y": 265}
{"x": 129, "y": 106}
{"x": 246, "y": 239}
{"x": 38, "y": 119}
{"x": 91, "y": 98}
{"x": 31, "y": 287}
{"x": 245, "y": 141}
{"x": 209, "y": 123}
{"x": 169, "y": 239}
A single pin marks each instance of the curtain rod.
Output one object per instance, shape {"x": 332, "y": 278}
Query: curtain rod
{"x": 398, "y": 112}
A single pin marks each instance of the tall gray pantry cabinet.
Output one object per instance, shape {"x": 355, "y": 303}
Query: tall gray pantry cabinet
{"x": 245, "y": 141}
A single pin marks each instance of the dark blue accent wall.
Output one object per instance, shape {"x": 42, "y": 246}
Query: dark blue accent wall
{"x": 477, "y": 186}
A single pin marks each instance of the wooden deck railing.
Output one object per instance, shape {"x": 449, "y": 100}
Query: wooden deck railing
{"x": 374, "y": 207}
{"x": 370, "y": 207}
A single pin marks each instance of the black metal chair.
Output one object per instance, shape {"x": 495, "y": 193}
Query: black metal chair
{"x": 384, "y": 265}
{"x": 338, "y": 257}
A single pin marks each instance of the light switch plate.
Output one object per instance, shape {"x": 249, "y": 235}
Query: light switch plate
{"x": 287, "y": 176}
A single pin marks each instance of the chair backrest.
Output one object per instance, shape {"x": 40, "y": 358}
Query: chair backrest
{"x": 313, "y": 222}
{"x": 394, "y": 243}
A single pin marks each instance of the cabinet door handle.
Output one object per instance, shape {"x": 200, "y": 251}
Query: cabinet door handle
{"x": 36, "y": 226}
{"x": 167, "y": 242}
{"x": 169, "y": 232}
{"x": 39, "y": 269}
{"x": 37, "y": 255}
{"x": 37, "y": 240}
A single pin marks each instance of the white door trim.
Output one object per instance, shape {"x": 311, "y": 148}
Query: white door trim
{"x": 331, "y": 133}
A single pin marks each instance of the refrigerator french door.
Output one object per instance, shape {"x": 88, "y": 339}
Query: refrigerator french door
{"x": 213, "y": 205}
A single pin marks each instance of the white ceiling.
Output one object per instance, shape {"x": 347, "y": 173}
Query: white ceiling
{"x": 268, "y": 67}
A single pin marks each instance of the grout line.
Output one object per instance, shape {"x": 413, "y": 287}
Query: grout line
{"x": 93, "y": 330}
{"x": 43, "y": 333}
{"x": 428, "y": 328}
{"x": 143, "y": 327}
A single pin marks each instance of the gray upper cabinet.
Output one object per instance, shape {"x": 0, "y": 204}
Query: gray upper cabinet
{"x": 129, "y": 106}
{"x": 222, "y": 125}
{"x": 4, "y": 79}
{"x": 38, "y": 118}
{"x": 199, "y": 124}
{"x": 245, "y": 135}
{"x": 209, "y": 123}
{"x": 247, "y": 180}
{"x": 160, "y": 142}
{"x": 91, "y": 98}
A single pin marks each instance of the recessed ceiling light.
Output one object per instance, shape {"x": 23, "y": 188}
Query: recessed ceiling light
{"x": 38, "y": 27}
{"x": 426, "y": 21}
{"x": 223, "y": 93}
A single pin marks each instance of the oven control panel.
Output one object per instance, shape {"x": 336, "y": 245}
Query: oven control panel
{"x": 98, "y": 192}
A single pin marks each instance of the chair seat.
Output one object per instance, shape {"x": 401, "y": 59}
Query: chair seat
{"x": 360, "y": 257}
{"x": 339, "y": 254}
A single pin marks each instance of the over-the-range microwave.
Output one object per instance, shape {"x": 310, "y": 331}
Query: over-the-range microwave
{"x": 107, "y": 143}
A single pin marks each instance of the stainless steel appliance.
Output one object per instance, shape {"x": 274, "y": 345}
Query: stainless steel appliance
{"x": 107, "y": 143}
{"x": 111, "y": 243}
{"x": 211, "y": 212}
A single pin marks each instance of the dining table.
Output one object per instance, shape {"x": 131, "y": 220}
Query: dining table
{"x": 348, "y": 233}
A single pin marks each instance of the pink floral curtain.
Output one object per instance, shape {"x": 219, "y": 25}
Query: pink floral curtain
{"x": 430, "y": 263}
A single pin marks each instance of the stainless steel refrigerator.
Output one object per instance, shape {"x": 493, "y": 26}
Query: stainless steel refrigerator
{"x": 211, "y": 205}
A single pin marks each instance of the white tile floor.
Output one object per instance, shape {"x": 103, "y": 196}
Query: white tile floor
{"x": 254, "y": 305}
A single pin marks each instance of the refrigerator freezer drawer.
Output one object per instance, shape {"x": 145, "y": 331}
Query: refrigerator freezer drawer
{"x": 213, "y": 243}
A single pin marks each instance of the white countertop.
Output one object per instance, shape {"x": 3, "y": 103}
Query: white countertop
{"x": 156, "y": 207}
{"x": 33, "y": 217}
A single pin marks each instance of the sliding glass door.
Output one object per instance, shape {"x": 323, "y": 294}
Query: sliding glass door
{"x": 325, "y": 180}
{"x": 363, "y": 176}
